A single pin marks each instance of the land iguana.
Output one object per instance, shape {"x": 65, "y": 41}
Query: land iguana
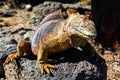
{"x": 56, "y": 35}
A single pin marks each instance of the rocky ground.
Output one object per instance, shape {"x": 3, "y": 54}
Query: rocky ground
{"x": 17, "y": 24}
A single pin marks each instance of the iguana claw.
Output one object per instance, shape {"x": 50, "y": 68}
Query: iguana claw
{"x": 45, "y": 68}
{"x": 9, "y": 58}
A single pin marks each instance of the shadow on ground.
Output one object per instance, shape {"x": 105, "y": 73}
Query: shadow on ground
{"x": 74, "y": 56}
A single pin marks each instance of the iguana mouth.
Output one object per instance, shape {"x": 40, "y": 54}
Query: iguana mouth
{"x": 90, "y": 38}
{"x": 87, "y": 35}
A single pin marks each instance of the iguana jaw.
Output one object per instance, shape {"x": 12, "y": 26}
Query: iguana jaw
{"x": 84, "y": 33}
{"x": 87, "y": 34}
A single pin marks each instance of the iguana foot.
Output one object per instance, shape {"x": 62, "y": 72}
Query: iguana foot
{"x": 9, "y": 58}
{"x": 45, "y": 68}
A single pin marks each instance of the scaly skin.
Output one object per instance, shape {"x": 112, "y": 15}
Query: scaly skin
{"x": 58, "y": 35}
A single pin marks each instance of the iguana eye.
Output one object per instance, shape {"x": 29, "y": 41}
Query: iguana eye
{"x": 81, "y": 25}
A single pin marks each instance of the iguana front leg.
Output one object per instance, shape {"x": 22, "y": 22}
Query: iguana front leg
{"x": 90, "y": 50}
{"x": 22, "y": 47}
{"x": 42, "y": 59}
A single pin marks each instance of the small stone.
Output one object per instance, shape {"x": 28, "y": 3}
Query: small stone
{"x": 22, "y": 32}
{"x": 4, "y": 24}
{"x": 8, "y": 12}
{"x": 29, "y": 35}
{"x": 32, "y": 21}
{"x": 1, "y": 25}
{"x": 36, "y": 21}
{"x": 1, "y": 35}
{"x": 13, "y": 41}
{"x": 1, "y": 20}
{"x": 5, "y": 32}
{"x": 116, "y": 67}
{"x": 28, "y": 7}
{"x": 17, "y": 29}
{"x": 6, "y": 7}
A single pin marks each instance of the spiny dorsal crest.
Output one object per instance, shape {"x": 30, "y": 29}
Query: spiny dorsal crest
{"x": 52, "y": 16}
{"x": 70, "y": 11}
{"x": 71, "y": 18}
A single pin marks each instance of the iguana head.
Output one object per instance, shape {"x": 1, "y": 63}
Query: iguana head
{"x": 81, "y": 25}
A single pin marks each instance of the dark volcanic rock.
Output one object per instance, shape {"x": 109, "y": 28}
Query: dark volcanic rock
{"x": 20, "y": 29}
{"x": 17, "y": 29}
{"x": 71, "y": 65}
{"x": 5, "y": 31}
{"x": 4, "y": 24}
{"x": 50, "y": 6}
{"x": 5, "y": 50}
{"x": 36, "y": 21}
{"x": 1, "y": 3}
{"x": 5, "y": 40}
{"x": 7, "y": 12}
{"x": 47, "y": 7}
{"x": 29, "y": 35}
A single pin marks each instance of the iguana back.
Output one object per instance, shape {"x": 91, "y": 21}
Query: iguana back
{"x": 45, "y": 29}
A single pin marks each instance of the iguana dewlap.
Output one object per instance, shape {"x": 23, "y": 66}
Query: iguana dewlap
{"x": 57, "y": 35}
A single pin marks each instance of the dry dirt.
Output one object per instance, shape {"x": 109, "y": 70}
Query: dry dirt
{"x": 22, "y": 17}
{"x": 112, "y": 59}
